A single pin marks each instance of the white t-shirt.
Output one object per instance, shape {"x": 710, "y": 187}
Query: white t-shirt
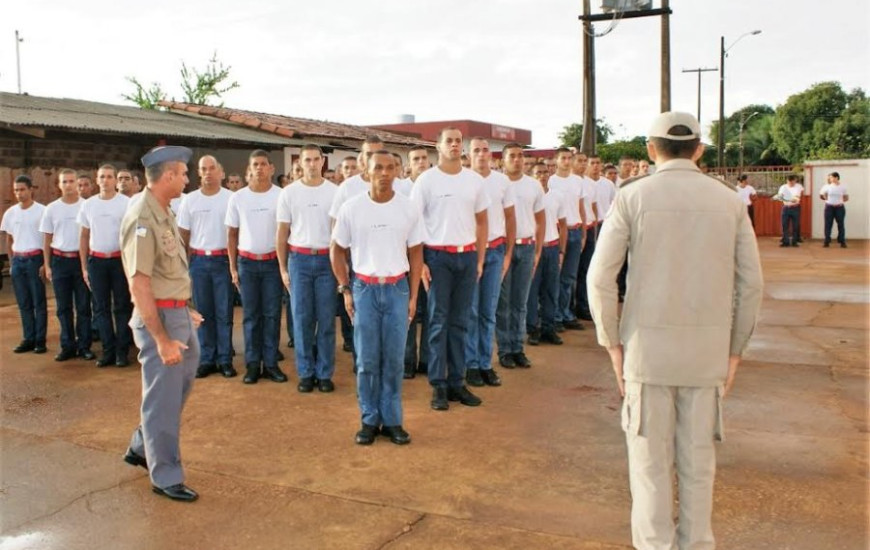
{"x": 835, "y": 193}
{"x": 572, "y": 185}
{"x": 501, "y": 196}
{"x": 23, "y": 225}
{"x": 59, "y": 220}
{"x": 175, "y": 204}
{"x": 528, "y": 201}
{"x": 204, "y": 215}
{"x": 403, "y": 186}
{"x": 789, "y": 194}
{"x": 590, "y": 197}
{"x": 557, "y": 203}
{"x": 306, "y": 209}
{"x": 254, "y": 214}
{"x": 745, "y": 193}
{"x": 103, "y": 218}
{"x": 606, "y": 193}
{"x": 449, "y": 203}
{"x": 379, "y": 234}
{"x": 349, "y": 188}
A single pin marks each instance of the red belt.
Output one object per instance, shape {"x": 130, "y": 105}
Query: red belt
{"x": 28, "y": 254}
{"x": 62, "y": 254}
{"x": 106, "y": 255}
{"x": 575, "y": 226}
{"x": 528, "y": 240}
{"x": 495, "y": 242}
{"x": 258, "y": 257}
{"x": 168, "y": 304}
{"x": 309, "y": 251}
{"x": 454, "y": 249}
{"x": 197, "y": 252}
{"x": 370, "y": 280}
{"x": 554, "y": 242}
{"x": 591, "y": 225}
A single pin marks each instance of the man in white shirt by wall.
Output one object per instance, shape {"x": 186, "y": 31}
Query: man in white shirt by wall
{"x": 835, "y": 196}
{"x": 748, "y": 195}
{"x": 791, "y": 193}
{"x": 599, "y": 207}
{"x": 418, "y": 160}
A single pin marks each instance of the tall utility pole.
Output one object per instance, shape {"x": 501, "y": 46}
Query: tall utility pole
{"x": 18, "y": 40}
{"x": 723, "y": 51}
{"x": 699, "y": 70}
{"x": 587, "y": 145}
{"x": 666, "y": 57}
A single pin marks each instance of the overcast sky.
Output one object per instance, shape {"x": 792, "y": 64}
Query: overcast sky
{"x": 511, "y": 62}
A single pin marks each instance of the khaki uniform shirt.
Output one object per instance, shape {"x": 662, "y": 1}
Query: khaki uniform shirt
{"x": 151, "y": 245}
{"x": 694, "y": 274}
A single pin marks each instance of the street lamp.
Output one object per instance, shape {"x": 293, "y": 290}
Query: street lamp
{"x": 722, "y": 52}
{"x": 743, "y": 120}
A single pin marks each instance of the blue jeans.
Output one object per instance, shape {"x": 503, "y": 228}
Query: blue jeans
{"x": 838, "y": 214}
{"x": 30, "y": 295}
{"x": 544, "y": 291}
{"x": 791, "y": 215}
{"x": 510, "y": 328}
{"x": 261, "y": 309}
{"x": 111, "y": 300}
{"x": 568, "y": 276}
{"x": 582, "y": 302}
{"x": 380, "y": 320}
{"x": 213, "y": 296}
{"x": 312, "y": 295}
{"x": 420, "y": 318}
{"x": 70, "y": 289}
{"x": 481, "y": 324}
{"x": 450, "y": 293}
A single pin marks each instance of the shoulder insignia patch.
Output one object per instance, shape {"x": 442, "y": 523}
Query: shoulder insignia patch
{"x": 141, "y": 231}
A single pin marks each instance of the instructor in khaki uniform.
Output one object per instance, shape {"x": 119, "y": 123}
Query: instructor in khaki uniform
{"x": 164, "y": 328}
{"x": 690, "y": 309}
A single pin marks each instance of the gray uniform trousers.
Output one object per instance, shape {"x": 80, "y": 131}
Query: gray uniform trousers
{"x": 664, "y": 426}
{"x": 164, "y": 391}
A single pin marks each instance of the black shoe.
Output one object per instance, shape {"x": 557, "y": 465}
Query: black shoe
{"x": 472, "y": 378}
{"x": 177, "y": 492}
{"x": 290, "y": 343}
{"x": 40, "y": 348}
{"x": 306, "y": 385}
{"x": 366, "y": 435}
{"x": 204, "y": 370}
{"x": 274, "y": 374}
{"x": 800, "y": 239}
{"x": 280, "y": 356}
{"x": 507, "y": 361}
{"x": 105, "y": 362}
{"x": 783, "y": 245}
{"x": 843, "y": 245}
{"x": 490, "y": 377}
{"x": 410, "y": 372}
{"x": 826, "y": 245}
{"x": 551, "y": 338}
{"x": 397, "y": 434}
{"x": 252, "y": 373}
{"x": 795, "y": 244}
{"x": 463, "y": 396}
{"x": 347, "y": 346}
{"x": 87, "y": 354}
{"x": 573, "y": 324}
{"x": 23, "y": 347}
{"x": 227, "y": 370}
{"x": 122, "y": 362}
{"x": 65, "y": 355}
{"x": 522, "y": 361}
{"x": 133, "y": 459}
{"x": 325, "y": 385}
{"x": 422, "y": 368}
{"x": 559, "y": 327}
{"x": 439, "y": 399}
{"x": 534, "y": 337}
{"x": 585, "y": 315}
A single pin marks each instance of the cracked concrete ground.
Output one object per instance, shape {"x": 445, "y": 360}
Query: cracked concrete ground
{"x": 540, "y": 465}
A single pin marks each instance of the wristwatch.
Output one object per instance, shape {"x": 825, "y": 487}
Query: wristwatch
{"x": 343, "y": 288}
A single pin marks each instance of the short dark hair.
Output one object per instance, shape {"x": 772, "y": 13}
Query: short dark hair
{"x": 538, "y": 163}
{"x": 107, "y": 166}
{"x": 835, "y": 174}
{"x": 234, "y": 175}
{"x": 742, "y": 177}
{"x": 25, "y": 179}
{"x": 350, "y": 157}
{"x": 259, "y": 153}
{"x": 791, "y": 177}
{"x": 379, "y": 152}
{"x": 156, "y": 171}
{"x": 64, "y": 171}
{"x": 85, "y": 175}
{"x": 560, "y": 150}
{"x": 422, "y": 148}
{"x": 511, "y": 145}
{"x": 311, "y": 147}
{"x": 373, "y": 139}
{"x": 446, "y": 129}
{"x": 677, "y": 148}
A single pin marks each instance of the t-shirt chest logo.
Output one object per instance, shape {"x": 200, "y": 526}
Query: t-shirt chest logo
{"x": 168, "y": 243}
{"x": 380, "y": 226}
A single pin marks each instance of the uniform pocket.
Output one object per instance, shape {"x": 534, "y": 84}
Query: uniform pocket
{"x": 631, "y": 408}
{"x": 719, "y": 431}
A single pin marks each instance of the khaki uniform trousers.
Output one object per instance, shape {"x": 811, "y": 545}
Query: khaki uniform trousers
{"x": 667, "y": 426}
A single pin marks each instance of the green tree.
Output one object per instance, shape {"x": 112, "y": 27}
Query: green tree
{"x": 198, "y": 87}
{"x": 758, "y": 146}
{"x": 634, "y": 148}
{"x": 572, "y": 135}
{"x": 146, "y": 98}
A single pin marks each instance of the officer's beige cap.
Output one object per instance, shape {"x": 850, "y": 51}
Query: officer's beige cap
{"x": 665, "y": 122}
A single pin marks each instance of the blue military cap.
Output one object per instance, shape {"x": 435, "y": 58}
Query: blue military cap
{"x": 166, "y": 153}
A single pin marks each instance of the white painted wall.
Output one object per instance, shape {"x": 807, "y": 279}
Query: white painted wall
{"x": 856, "y": 175}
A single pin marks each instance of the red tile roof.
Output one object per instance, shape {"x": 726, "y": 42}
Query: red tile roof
{"x": 294, "y": 127}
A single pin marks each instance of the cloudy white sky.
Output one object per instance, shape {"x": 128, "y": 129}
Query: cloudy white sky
{"x": 511, "y": 62}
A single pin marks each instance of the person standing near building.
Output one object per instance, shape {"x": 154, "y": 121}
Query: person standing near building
{"x": 155, "y": 264}
{"x": 100, "y": 253}
{"x": 201, "y": 225}
{"x": 251, "y": 226}
{"x": 84, "y": 185}
{"x": 598, "y": 188}
{"x": 676, "y": 347}
{"x": 27, "y": 268}
{"x": 453, "y": 203}
{"x": 234, "y": 182}
{"x": 418, "y": 160}
{"x": 835, "y": 196}
{"x": 791, "y": 193}
{"x": 126, "y": 185}
{"x": 384, "y": 232}
{"x": 748, "y": 195}
{"x": 510, "y": 327}
{"x": 304, "y": 227}
{"x": 500, "y": 245}
{"x": 64, "y": 269}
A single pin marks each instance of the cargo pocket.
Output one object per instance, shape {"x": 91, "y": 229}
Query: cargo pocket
{"x": 631, "y": 408}
{"x": 719, "y": 431}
